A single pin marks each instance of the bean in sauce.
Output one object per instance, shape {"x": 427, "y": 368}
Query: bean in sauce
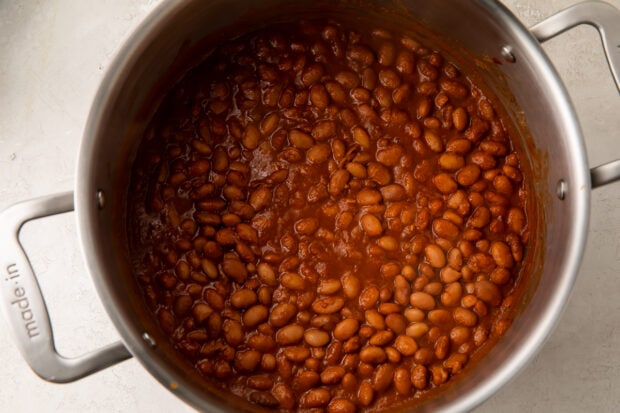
{"x": 326, "y": 217}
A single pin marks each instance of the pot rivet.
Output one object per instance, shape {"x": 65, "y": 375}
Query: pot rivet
{"x": 148, "y": 339}
{"x": 508, "y": 55}
{"x": 100, "y": 199}
{"x": 562, "y": 188}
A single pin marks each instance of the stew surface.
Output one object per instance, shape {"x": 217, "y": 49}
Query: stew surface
{"x": 327, "y": 217}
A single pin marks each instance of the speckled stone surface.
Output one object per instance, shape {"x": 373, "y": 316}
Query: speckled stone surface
{"x": 53, "y": 55}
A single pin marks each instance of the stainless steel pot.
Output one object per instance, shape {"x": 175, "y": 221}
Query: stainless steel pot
{"x": 508, "y": 56}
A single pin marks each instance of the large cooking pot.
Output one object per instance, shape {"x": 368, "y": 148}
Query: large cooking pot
{"x": 483, "y": 33}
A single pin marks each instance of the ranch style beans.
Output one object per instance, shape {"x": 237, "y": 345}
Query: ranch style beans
{"x": 330, "y": 219}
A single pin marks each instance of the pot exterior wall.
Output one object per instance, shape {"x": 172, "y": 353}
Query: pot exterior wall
{"x": 527, "y": 87}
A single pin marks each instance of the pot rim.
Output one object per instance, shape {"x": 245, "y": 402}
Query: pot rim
{"x": 87, "y": 210}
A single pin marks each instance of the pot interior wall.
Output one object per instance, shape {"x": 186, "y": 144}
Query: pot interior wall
{"x": 544, "y": 130}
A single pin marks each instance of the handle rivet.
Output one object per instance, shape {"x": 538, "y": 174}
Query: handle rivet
{"x": 508, "y": 55}
{"x": 148, "y": 339}
{"x": 100, "y": 199}
{"x": 561, "y": 189}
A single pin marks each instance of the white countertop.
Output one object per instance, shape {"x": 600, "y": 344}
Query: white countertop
{"x": 53, "y": 55}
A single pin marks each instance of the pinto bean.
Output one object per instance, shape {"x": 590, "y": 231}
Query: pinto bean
{"x": 374, "y": 319}
{"x": 402, "y": 381}
{"x": 391, "y": 155}
{"x": 361, "y": 137}
{"x": 501, "y": 254}
{"x": 419, "y": 377}
{"x": 323, "y": 130}
{"x": 347, "y": 79}
{"x": 365, "y": 394}
{"x": 369, "y": 297}
{"x": 433, "y": 141}
{"x": 406, "y": 345}
{"x": 318, "y": 397}
{"x": 351, "y": 285}
{"x": 332, "y": 374}
{"x": 368, "y": 196}
{"x": 307, "y": 226}
{"x": 357, "y": 170}
{"x": 341, "y": 406}
{"x": 289, "y": 334}
{"x": 312, "y": 73}
{"x": 346, "y": 329}
{"x": 255, "y": 315}
{"x": 371, "y": 225}
{"x": 251, "y": 137}
{"x": 388, "y": 243}
{"x": 243, "y": 298}
{"x": 293, "y": 281}
{"x": 261, "y": 342}
{"x": 435, "y": 256}
{"x": 445, "y": 183}
{"x": 445, "y": 229}
{"x": 383, "y": 377}
{"x": 328, "y": 305}
{"x": 235, "y": 270}
{"x": 465, "y": 317}
{"x": 422, "y": 300}
{"x": 316, "y": 337}
{"x": 417, "y": 329}
{"x": 361, "y": 54}
{"x": 487, "y": 292}
{"x": 393, "y": 192}
{"x": 336, "y": 92}
{"x": 318, "y": 153}
{"x": 452, "y": 294}
{"x": 372, "y": 355}
{"x": 450, "y": 161}
{"x": 379, "y": 173}
{"x": 247, "y": 361}
{"x": 338, "y": 182}
{"x": 516, "y": 220}
{"x": 282, "y": 313}
{"x": 300, "y": 139}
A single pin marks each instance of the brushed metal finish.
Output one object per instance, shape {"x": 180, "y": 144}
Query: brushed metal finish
{"x": 542, "y": 103}
{"x": 23, "y": 304}
{"x": 605, "y": 174}
{"x": 604, "y": 17}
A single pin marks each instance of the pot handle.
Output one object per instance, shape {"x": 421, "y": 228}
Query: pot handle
{"x": 606, "y": 19}
{"x": 24, "y": 307}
